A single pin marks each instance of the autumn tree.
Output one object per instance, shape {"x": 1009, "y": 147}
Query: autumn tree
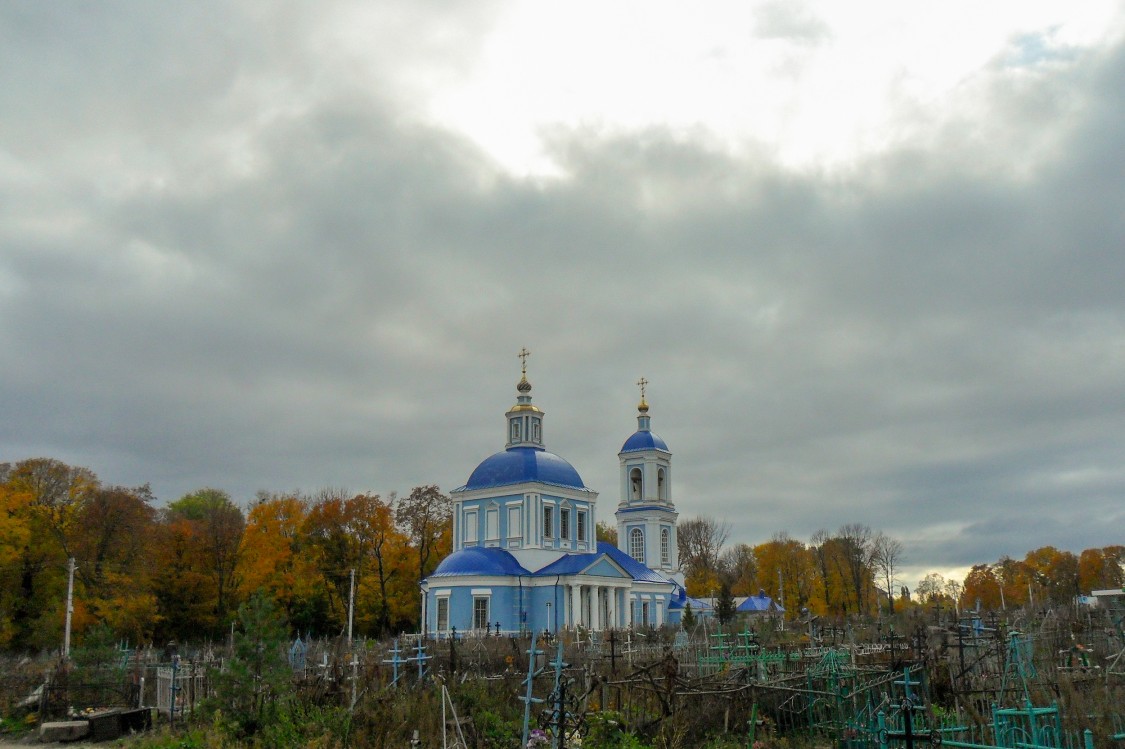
{"x": 332, "y": 551}
{"x": 1054, "y": 573}
{"x": 56, "y": 492}
{"x": 1014, "y": 578}
{"x": 200, "y": 540}
{"x": 785, "y": 561}
{"x": 112, "y": 546}
{"x": 275, "y": 562}
{"x": 981, "y": 586}
{"x": 41, "y": 499}
{"x": 1101, "y": 569}
{"x": 383, "y": 556}
{"x": 357, "y": 535}
{"x": 607, "y": 532}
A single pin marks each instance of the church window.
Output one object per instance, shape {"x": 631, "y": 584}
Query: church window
{"x": 480, "y": 612}
{"x": 564, "y": 524}
{"x": 515, "y": 522}
{"x": 644, "y": 613}
{"x": 635, "y": 483}
{"x": 471, "y": 527}
{"x": 492, "y": 525}
{"x": 443, "y": 614}
{"x": 637, "y": 544}
{"x": 581, "y": 525}
{"x": 661, "y": 485}
{"x": 536, "y": 430}
{"x": 548, "y": 517}
{"x": 515, "y": 430}
{"x": 665, "y": 547}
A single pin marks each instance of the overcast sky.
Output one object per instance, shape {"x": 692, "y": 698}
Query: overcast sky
{"x": 869, "y": 255}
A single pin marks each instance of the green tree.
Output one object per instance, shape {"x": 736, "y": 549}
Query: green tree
{"x": 252, "y": 690}
{"x": 725, "y": 608}
{"x": 688, "y": 620}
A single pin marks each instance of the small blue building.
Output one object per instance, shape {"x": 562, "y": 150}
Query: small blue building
{"x": 524, "y": 554}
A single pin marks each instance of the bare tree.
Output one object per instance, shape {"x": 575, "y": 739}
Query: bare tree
{"x": 700, "y": 542}
{"x": 424, "y": 517}
{"x": 886, "y": 556}
{"x": 930, "y": 587}
{"x": 857, "y": 539}
{"x": 739, "y": 569}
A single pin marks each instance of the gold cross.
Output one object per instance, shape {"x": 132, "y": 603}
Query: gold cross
{"x": 523, "y": 354}
{"x": 642, "y": 382}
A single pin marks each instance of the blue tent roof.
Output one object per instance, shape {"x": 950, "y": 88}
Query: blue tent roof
{"x": 644, "y": 440}
{"x": 478, "y": 560}
{"x": 760, "y": 603}
{"x": 517, "y": 465}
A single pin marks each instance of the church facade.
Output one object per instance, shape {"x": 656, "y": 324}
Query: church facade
{"x": 525, "y": 557}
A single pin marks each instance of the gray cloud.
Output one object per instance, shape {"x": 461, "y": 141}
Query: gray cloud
{"x": 220, "y": 264}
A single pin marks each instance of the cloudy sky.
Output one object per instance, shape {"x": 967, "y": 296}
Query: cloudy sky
{"x": 869, "y": 255}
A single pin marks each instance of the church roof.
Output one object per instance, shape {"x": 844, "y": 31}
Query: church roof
{"x": 569, "y": 564}
{"x": 680, "y": 599}
{"x": 573, "y": 564}
{"x": 635, "y": 569}
{"x": 518, "y": 465}
{"x": 644, "y": 440}
{"x": 759, "y": 603}
{"x": 478, "y": 560}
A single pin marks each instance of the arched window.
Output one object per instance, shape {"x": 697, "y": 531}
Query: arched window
{"x": 665, "y": 547}
{"x": 661, "y": 485}
{"x": 637, "y": 544}
{"x": 635, "y": 483}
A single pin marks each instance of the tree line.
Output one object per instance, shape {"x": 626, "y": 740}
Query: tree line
{"x": 856, "y": 570}
{"x": 152, "y": 574}
{"x": 180, "y": 572}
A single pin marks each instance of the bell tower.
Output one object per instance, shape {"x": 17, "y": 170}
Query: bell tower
{"x": 646, "y": 515}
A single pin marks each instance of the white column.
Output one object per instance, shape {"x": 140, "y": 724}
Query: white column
{"x": 613, "y": 592}
{"x": 595, "y": 607}
{"x": 576, "y": 605}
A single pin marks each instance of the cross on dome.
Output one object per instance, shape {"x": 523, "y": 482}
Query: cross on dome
{"x": 524, "y": 386}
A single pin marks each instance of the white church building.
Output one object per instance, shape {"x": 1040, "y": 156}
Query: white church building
{"x": 524, "y": 556}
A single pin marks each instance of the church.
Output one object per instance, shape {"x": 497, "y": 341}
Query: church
{"x": 524, "y": 555}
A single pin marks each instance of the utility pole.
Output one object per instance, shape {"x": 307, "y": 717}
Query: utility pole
{"x": 781, "y": 596}
{"x": 351, "y": 608}
{"x": 69, "y": 608}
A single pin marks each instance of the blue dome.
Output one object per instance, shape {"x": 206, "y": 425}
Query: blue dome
{"x": 519, "y": 464}
{"x": 478, "y": 560}
{"x": 644, "y": 440}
